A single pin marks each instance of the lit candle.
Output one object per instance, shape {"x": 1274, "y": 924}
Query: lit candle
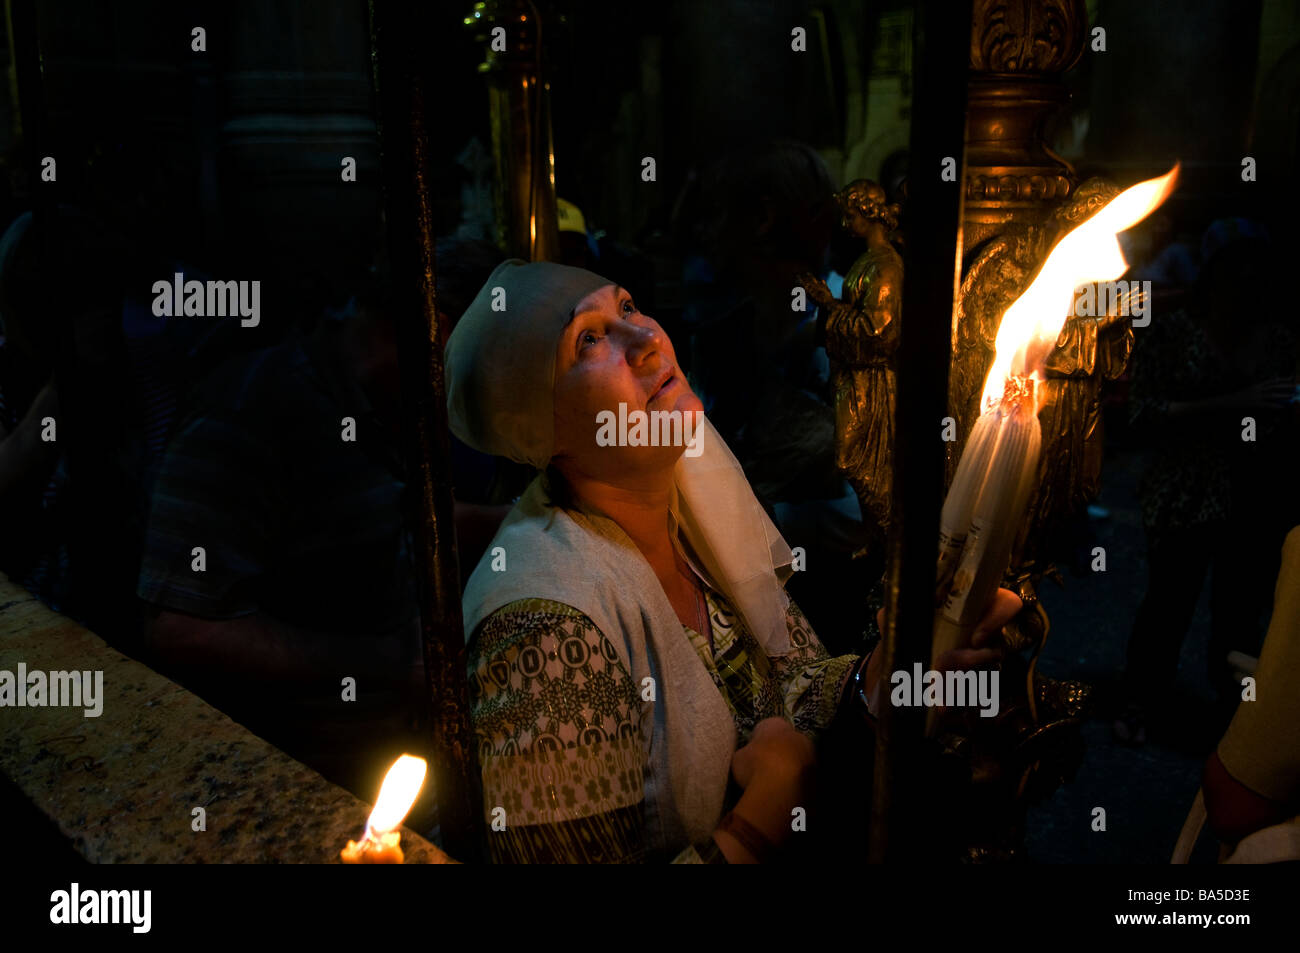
{"x": 382, "y": 842}
{"x": 995, "y": 476}
{"x": 983, "y": 511}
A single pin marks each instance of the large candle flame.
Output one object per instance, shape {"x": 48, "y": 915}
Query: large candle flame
{"x": 401, "y": 786}
{"x": 1090, "y": 252}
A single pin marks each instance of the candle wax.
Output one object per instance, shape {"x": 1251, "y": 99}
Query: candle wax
{"x": 385, "y": 848}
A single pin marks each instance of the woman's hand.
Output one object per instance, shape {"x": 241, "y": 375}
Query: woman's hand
{"x": 775, "y": 770}
{"x": 1001, "y": 610}
{"x": 776, "y": 750}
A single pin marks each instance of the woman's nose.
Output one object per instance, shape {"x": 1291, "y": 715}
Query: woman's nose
{"x": 643, "y": 341}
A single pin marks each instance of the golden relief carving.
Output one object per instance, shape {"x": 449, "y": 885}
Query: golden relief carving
{"x": 1027, "y": 36}
{"x": 1010, "y": 187}
{"x": 1089, "y": 351}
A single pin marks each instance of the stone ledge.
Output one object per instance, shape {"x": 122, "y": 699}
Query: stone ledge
{"x": 121, "y": 787}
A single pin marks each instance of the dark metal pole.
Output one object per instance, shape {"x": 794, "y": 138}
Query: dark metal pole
{"x": 398, "y": 33}
{"x": 931, "y": 271}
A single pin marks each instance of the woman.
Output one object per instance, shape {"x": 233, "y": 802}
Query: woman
{"x": 631, "y": 645}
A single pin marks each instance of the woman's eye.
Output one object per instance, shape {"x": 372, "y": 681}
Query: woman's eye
{"x": 588, "y": 337}
{"x": 629, "y": 307}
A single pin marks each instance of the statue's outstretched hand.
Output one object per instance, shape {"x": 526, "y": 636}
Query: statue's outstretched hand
{"x": 817, "y": 289}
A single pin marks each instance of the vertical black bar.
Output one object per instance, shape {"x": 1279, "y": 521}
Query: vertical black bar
{"x": 399, "y": 35}
{"x": 29, "y": 75}
{"x": 931, "y": 271}
{"x": 103, "y": 555}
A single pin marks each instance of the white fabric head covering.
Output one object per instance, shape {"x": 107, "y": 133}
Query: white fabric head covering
{"x": 500, "y": 367}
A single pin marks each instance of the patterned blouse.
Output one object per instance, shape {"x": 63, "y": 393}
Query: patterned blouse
{"x": 543, "y": 677}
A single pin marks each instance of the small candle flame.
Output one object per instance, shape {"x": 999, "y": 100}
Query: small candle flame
{"x": 1090, "y": 252}
{"x": 401, "y": 786}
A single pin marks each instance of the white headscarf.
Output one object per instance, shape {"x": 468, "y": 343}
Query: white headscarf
{"x": 500, "y": 367}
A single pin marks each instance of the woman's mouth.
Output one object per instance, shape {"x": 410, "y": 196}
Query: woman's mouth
{"x": 663, "y": 388}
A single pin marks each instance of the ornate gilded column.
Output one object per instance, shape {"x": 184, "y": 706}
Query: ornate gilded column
{"x": 1014, "y": 183}
{"x": 1020, "y": 199}
{"x": 522, "y": 151}
{"x": 1018, "y": 52}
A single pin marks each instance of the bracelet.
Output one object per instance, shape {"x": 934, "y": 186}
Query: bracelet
{"x": 856, "y": 685}
{"x": 710, "y": 852}
{"x": 750, "y": 837}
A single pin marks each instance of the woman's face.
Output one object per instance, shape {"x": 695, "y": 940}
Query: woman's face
{"x": 610, "y": 354}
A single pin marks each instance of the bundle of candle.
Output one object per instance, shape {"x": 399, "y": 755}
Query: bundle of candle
{"x": 996, "y": 473}
{"x": 983, "y": 509}
{"x": 382, "y": 842}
